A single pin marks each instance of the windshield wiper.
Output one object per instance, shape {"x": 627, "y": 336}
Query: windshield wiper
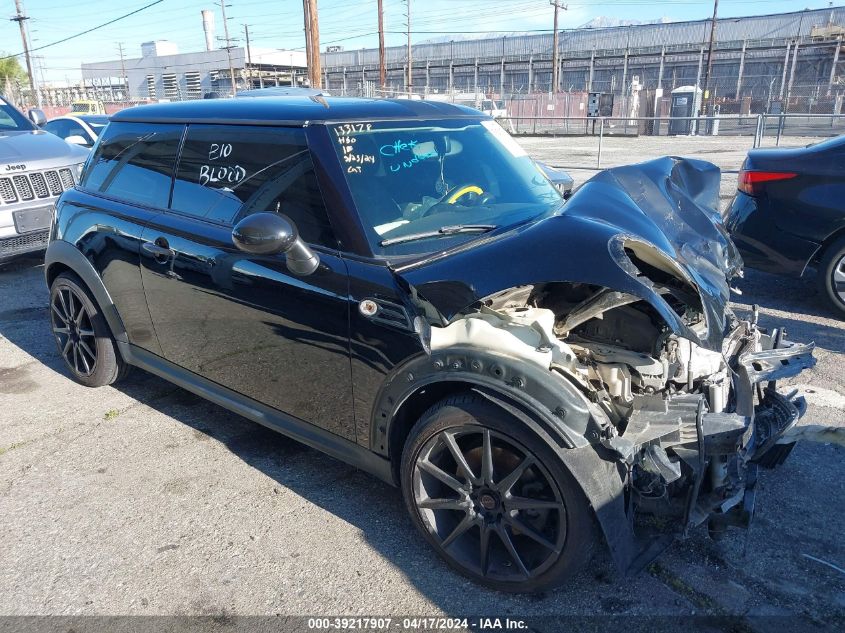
{"x": 453, "y": 229}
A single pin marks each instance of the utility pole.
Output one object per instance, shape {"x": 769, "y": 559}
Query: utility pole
{"x": 228, "y": 47}
{"x": 248, "y": 56}
{"x": 314, "y": 24}
{"x": 38, "y": 65}
{"x": 20, "y": 18}
{"x": 410, "y": 57}
{"x": 306, "y": 17}
{"x": 707, "y": 72}
{"x": 123, "y": 70}
{"x": 382, "y": 71}
{"x": 555, "y": 62}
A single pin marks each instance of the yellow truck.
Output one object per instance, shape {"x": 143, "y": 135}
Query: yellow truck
{"x": 87, "y": 106}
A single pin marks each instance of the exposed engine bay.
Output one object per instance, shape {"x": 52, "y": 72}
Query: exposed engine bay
{"x": 610, "y": 322}
{"x": 691, "y": 424}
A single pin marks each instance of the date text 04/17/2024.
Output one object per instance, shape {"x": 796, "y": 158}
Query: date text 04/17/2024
{"x": 416, "y": 624}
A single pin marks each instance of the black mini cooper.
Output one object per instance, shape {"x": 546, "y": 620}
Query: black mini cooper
{"x": 398, "y": 284}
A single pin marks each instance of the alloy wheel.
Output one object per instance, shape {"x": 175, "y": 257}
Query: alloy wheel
{"x": 74, "y": 331}
{"x": 839, "y": 279}
{"x": 489, "y": 504}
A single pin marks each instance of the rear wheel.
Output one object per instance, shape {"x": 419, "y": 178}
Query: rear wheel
{"x": 492, "y": 498}
{"x": 82, "y": 335}
{"x": 832, "y": 274}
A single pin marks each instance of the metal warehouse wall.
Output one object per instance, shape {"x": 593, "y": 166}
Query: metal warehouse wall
{"x": 754, "y": 58}
{"x": 761, "y": 27}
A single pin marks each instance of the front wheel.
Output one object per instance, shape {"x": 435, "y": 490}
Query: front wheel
{"x": 82, "y": 335}
{"x": 493, "y": 499}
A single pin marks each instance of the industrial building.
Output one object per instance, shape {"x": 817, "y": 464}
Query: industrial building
{"x": 791, "y": 59}
{"x": 161, "y": 72}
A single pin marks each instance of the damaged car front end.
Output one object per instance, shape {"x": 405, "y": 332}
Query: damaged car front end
{"x": 608, "y": 326}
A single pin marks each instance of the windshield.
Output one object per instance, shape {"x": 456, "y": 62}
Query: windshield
{"x": 11, "y": 119}
{"x": 425, "y": 186}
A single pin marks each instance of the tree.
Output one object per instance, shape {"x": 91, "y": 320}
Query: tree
{"x": 11, "y": 75}
{"x": 10, "y": 69}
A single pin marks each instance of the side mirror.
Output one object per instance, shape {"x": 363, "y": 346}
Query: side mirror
{"x": 37, "y": 116}
{"x": 76, "y": 139}
{"x": 272, "y": 233}
{"x": 559, "y": 178}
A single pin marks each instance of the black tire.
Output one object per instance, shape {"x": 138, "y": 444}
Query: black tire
{"x": 832, "y": 274}
{"x": 82, "y": 336}
{"x": 552, "y": 532}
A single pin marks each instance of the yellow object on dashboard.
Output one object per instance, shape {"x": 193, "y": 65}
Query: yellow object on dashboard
{"x": 464, "y": 190}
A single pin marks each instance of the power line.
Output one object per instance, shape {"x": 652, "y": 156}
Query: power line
{"x": 85, "y": 32}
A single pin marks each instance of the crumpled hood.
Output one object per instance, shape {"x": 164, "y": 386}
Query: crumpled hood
{"x": 668, "y": 207}
{"x": 38, "y": 150}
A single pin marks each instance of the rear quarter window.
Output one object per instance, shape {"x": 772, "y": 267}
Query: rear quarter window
{"x": 134, "y": 162}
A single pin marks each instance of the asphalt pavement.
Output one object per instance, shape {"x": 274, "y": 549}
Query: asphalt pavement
{"x": 142, "y": 499}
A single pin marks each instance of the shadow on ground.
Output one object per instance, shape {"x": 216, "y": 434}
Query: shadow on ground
{"x": 788, "y": 294}
{"x": 376, "y": 509}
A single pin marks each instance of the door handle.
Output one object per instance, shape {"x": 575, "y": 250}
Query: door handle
{"x": 161, "y": 253}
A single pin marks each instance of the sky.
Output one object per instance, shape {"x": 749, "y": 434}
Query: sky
{"x": 348, "y": 23}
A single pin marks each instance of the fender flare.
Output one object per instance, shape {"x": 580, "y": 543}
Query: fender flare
{"x": 599, "y": 473}
{"x": 555, "y": 403}
{"x": 603, "y": 478}
{"x": 66, "y": 254}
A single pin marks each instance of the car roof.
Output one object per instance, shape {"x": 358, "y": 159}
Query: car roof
{"x": 283, "y": 91}
{"x": 293, "y": 111}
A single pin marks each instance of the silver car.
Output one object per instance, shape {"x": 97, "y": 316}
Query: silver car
{"x": 35, "y": 168}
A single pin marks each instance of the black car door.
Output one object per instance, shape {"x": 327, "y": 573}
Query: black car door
{"x": 245, "y": 321}
{"x": 126, "y": 183}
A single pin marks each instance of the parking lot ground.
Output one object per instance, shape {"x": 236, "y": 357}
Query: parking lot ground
{"x": 143, "y": 499}
{"x": 577, "y": 154}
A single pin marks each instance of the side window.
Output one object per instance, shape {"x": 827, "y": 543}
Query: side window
{"x": 64, "y": 128}
{"x": 59, "y": 127}
{"x": 228, "y": 172}
{"x": 134, "y": 162}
